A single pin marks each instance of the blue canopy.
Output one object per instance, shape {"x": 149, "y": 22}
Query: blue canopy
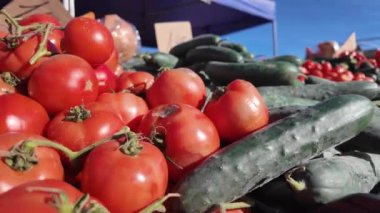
{"x": 219, "y": 17}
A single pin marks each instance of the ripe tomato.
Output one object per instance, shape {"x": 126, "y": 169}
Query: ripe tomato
{"x": 17, "y": 60}
{"x": 55, "y": 36}
{"x": 136, "y": 82}
{"x": 179, "y": 85}
{"x": 345, "y": 76}
{"x": 48, "y": 165}
{"x": 81, "y": 126}
{"x": 122, "y": 182}
{"x": 238, "y": 111}
{"x": 63, "y": 81}
{"x": 189, "y": 136}
{"x": 48, "y": 196}
{"x": 106, "y": 79}
{"x": 128, "y": 106}
{"x": 88, "y": 39}
{"x": 19, "y": 113}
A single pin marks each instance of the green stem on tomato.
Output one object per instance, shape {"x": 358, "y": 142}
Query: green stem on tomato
{"x": 42, "y": 47}
{"x": 159, "y": 204}
{"x": 19, "y": 29}
{"x": 223, "y": 207}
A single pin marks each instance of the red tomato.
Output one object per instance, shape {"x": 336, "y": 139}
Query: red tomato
{"x": 55, "y": 36}
{"x": 136, "y": 82}
{"x": 48, "y": 164}
{"x": 345, "y": 76}
{"x": 369, "y": 79}
{"x": 180, "y": 85}
{"x": 48, "y": 196}
{"x": 88, "y": 39}
{"x": 122, "y": 182}
{"x": 377, "y": 57}
{"x": 317, "y": 73}
{"x": 359, "y": 76}
{"x": 189, "y": 135}
{"x": 309, "y": 65}
{"x": 113, "y": 61}
{"x": 83, "y": 125}
{"x": 301, "y": 78}
{"x": 242, "y": 108}
{"x": 19, "y": 113}
{"x": 63, "y": 81}
{"x": 326, "y": 67}
{"x": 128, "y": 106}
{"x": 339, "y": 69}
{"x": 106, "y": 79}
{"x": 17, "y": 60}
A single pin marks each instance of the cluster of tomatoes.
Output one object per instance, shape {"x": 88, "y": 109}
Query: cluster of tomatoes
{"x": 339, "y": 72}
{"x": 77, "y": 135}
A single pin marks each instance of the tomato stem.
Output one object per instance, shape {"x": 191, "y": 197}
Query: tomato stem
{"x": 10, "y": 78}
{"x": 158, "y": 205}
{"x": 42, "y": 47}
{"x": 13, "y": 22}
{"x": 77, "y": 114}
{"x": 223, "y": 207}
{"x": 295, "y": 185}
{"x": 132, "y": 146}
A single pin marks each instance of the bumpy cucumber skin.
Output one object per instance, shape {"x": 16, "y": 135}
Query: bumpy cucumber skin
{"x": 317, "y": 80}
{"x": 213, "y": 53}
{"x": 258, "y": 73}
{"x": 322, "y": 92}
{"x": 274, "y": 101}
{"x": 181, "y": 49}
{"x": 235, "y": 46}
{"x": 264, "y": 155}
{"x": 288, "y": 58}
{"x": 278, "y": 113}
{"x": 161, "y": 60}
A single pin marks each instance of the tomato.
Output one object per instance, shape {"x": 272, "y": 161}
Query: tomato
{"x": 317, "y": 73}
{"x": 88, "y": 39}
{"x": 136, "y": 82}
{"x": 180, "y": 85}
{"x": 55, "y": 36}
{"x": 128, "y": 106}
{"x": 377, "y": 57}
{"x": 113, "y": 61}
{"x": 369, "y": 79}
{"x": 106, "y": 79}
{"x": 238, "y": 111}
{"x": 359, "y": 76}
{"x": 48, "y": 196}
{"x": 19, "y": 113}
{"x": 326, "y": 67}
{"x": 63, "y": 81}
{"x": 48, "y": 164}
{"x": 345, "y": 76}
{"x": 309, "y": 65}
{"x": 83, "y": 125}
{"x": 5, "y": 87}
{"x": 17, "y": 60}
{"x": 122, "y": 182}
{"x": 188, "y": 135}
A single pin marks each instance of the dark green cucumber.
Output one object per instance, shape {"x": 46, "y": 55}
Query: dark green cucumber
{"x": 368, "y": 140}
{"x": 323, "y": 180}
{"x": 181, "y": 49}
{"x": 213, "y": 53}
{"x": 324, "y": 91}
{"x": 274, "y": 101}
{"x": 278, "y": 113}
{"x": 317, "y": 80}
{"x": 134, "y": 61}
{"x": 264, "y": 155}
{"x": 235, "y": 46}
{"x": 288, "y": 58}
{"x": 258, "y": 73}
{"x": 160, "y": 60}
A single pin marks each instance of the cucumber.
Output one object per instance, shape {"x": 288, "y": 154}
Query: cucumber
{"x": 368, "y": 140}
{"x": 181, "y": 49}
{"x": 264, "y": 155}
{"x": 161, "y": 60}
{"x": 278, "y": 113}
{"x": 317, "y": 80}
{"x": 213, "y": 53}
{"x": 258, "y": 73}
{"x": 288, "y": 58}
{"x": 324, "y": 180}
{"x": 234, "y": 46}
{"x": 274, "y": 101}
{"x": 324, "y": 91}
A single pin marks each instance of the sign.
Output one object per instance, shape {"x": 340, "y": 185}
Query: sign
{"x": 349, "y": 45}
{"x": 169, "y": 34}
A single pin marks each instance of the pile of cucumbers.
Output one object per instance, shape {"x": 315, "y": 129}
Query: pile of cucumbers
{"x": 320, "y": 153}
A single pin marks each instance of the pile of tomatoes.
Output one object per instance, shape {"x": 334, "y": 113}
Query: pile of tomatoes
{"x": 76, "y": 134}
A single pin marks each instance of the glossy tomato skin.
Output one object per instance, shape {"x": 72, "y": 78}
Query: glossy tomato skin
{"x": 129, "y": 107}
{"x": 189, "y": 136}
{"x": 55, "y": 36}
{"x": 63, "y": 81}
{"x": 22, "y": 199}
{"x": 19, "y": 113}
{"x": 77, "y": 135}
{"x": 106, "y": 79}
{"x": 48, "y": 167}
{"x": 125, "y": 183}
{"x": 179, "y": 85}
{"x": 136, "y": 82}
{"x": 238, "y": 112}
{"x": 88, "y": 39}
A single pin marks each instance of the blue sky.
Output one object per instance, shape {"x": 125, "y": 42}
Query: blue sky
{"x": 303, "y": 23}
